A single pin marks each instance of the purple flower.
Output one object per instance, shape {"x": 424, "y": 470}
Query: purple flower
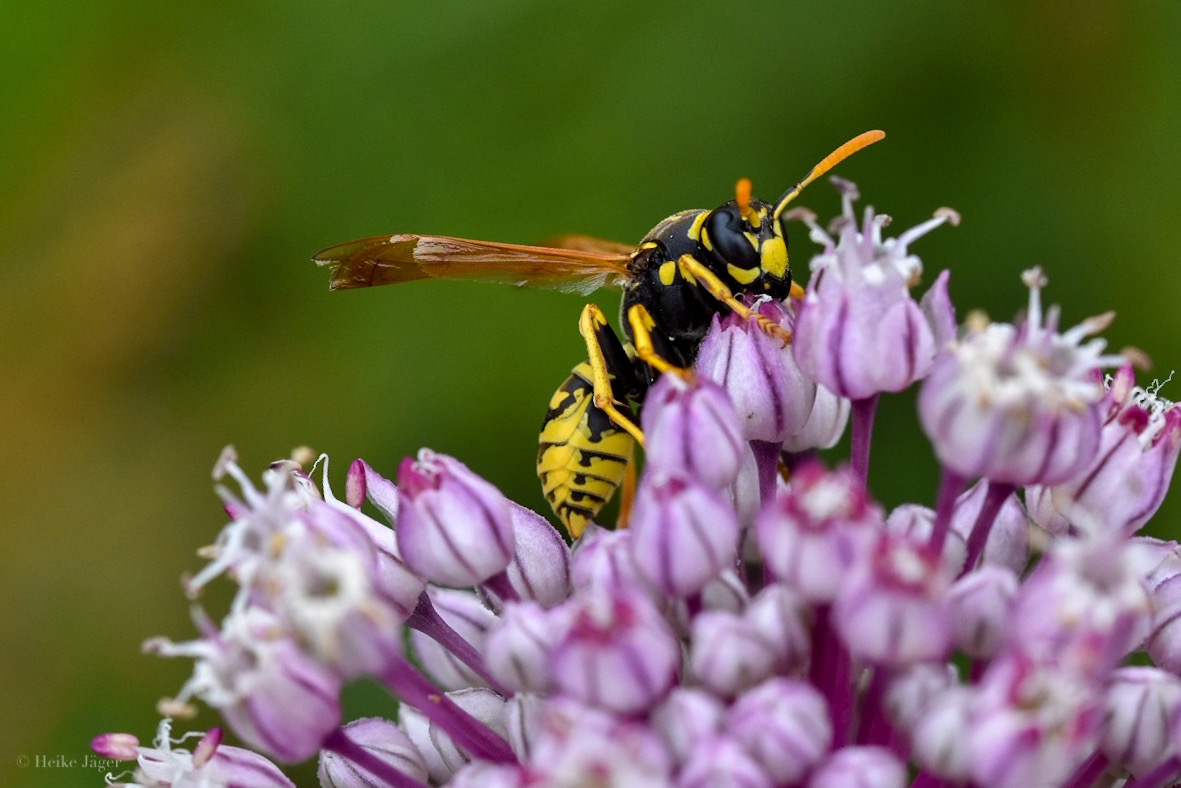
{"x": 210, "y": 762}
{"x": 825, "y": 425}
{"x": 368, "y": 752}
{"x": 1084, "y": 607}
{"x": 860, "y": 767}
{"x": 729, "y": 653}
{"x": 783, "y": 620}
{"x": 859, "y": 332}
{"x": 784, "y": 724}
{"x": 941, "y": 731}
{"x": 911, "y": 690}
{"x": 519, "y": 647}
{"x": 980, "y": 606}
{"x": 603, "y": 559}
{"x": 1031, "y": 724}
{"x": 1141, "y": 712}
{"x": 275, "y": 697}
{"x": 540, "y": 569}
{"x": 454, "y": 528}
{"x": 772, "y": 397}
{"x": 1125, "y": 480}
{"x": 618, "y": 652}
{"x": 485, "y": 706}
{"x": 721, "y": 761}
{"x": 1017, "y": 404}
{"x": 683, "y": 534}
{"x": 1164, "y": 643}
{"x": 582, "y": 746}
{"x": 686, "y": 718}
{"x": 399, "y": 584}
{"x": 691, "y": 429}
{"x": 916, "y": 523}
{"x": 892, "y": 610}
{"x": 753, "y": 627}
{"x": 813, "y": 533}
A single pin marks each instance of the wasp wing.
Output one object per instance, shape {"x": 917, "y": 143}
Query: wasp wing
{"x": 387, "y": 259}
{"x": 588, "y": 243}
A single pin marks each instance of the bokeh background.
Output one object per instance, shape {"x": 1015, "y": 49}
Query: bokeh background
{"x": 168, "y": 170}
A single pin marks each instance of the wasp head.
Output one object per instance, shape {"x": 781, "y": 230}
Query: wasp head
{"x": 743, "y": 240}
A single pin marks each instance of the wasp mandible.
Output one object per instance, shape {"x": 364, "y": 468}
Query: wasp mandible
{"x": 691, "y": 266}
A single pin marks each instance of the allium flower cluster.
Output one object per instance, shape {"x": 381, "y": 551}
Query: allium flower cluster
{"x": 763, "y": 621}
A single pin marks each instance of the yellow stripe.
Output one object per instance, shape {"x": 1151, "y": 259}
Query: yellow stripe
{"x": 773, "y": 257}
{"x": 743, "y": 276}
{"x": 668, "y": 273}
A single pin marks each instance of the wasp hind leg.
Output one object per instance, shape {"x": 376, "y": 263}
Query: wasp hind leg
{"x": 589, "y": 434}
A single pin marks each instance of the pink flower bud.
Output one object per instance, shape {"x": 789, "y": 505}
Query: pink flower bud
{"x": 813, "y": 533}
{"x": 378, "y": 739}
{"x": 519, "y": 646}
{"x": 454, "y": 528}
{"x": 618, "y": 652}
{"x": 540, "y": 569}
{"x": 1017, "y": 404}
{"x": 859, "y": 332}
{"x": 892, "y": 611}
{"x": 683, "y": 534}
{"x": 728, "y": 653}
{"x": 603, "y": 559}
{"x": 1125, "y": 480}
{"x": 981, "y": 604}
{"x": 783, "y": 619}
{"x": 772, "y": 397}
{"x": 940, "y": 734}
{"x": 580, "y": 746}
{"x": 1141, "y": 711}
{"x": 784, "y": 724}
{"x": 686, "y": 718}
{"x": 721, "y": 761}
{"x": 691, "y": 429}
{"x": 860, "y": 767}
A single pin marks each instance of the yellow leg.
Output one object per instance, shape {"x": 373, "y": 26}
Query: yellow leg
{"x": 694, "y": 270}
{"x": 627, "y": 494}
{"x": 589, "y": 322}
{"x": 641, "y": 322}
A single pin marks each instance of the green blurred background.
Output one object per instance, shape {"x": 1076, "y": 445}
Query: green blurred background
{"x": 169, "y": 169}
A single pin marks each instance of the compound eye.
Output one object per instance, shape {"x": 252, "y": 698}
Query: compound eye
{"x": 725, "y": 229}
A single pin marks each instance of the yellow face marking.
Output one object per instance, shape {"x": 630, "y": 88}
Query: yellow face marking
{"x": 743, "y": 276}
{"x": 705, "y": 241}
{"x": 668, "y": 273}
{"x": 754, "y": 240}
{"x": 773, "y": 257}
{"x": 695, "y": 228}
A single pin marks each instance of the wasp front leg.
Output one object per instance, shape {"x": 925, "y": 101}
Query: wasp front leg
{"x": 589, "y": 434}
{"x": 694, "y": 271}
{"x": 639, "y": 319}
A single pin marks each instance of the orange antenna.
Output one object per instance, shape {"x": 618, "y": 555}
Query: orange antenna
{"x": 742, "y": 198}
{"x": 827, "y": 163}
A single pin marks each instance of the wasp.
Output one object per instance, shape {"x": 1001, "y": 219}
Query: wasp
{"x": 691, "y": 266}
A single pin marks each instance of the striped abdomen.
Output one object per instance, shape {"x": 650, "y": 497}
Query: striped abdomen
{"x": 582, "y": 455}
